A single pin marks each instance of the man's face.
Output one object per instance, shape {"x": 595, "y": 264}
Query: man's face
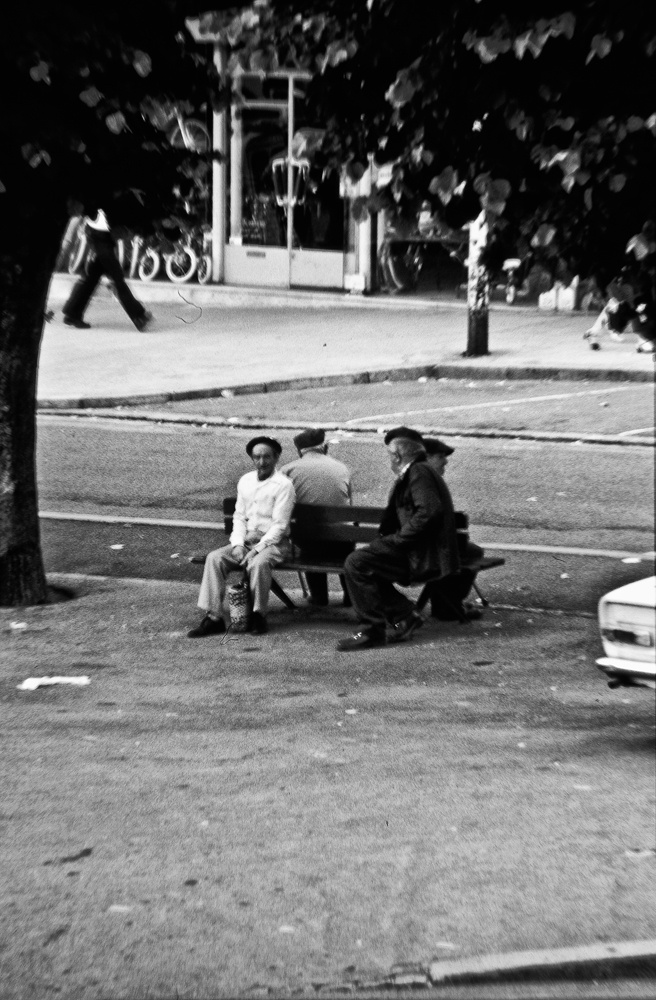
{"x": 439, "y": 462}
{"x": 264, "y": 460}
{"x": 396, "y": 461}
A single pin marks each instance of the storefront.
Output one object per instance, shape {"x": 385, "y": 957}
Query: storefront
{"x": 276, "y": 220}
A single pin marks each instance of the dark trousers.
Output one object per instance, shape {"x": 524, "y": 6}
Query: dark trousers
{"x": 105, "y": 262}
{"x": 447, "y": 595}
{"x": 370, "y": 577}
{"x": 318, "y": 582}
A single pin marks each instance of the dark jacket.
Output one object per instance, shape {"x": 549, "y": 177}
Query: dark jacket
{"x": 419, "y": 522}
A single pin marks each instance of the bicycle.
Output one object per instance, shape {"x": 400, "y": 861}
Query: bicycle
{"x": 191, "y": 256}
{"x": 399, "y": 272}
{"x": 187, "y": 133}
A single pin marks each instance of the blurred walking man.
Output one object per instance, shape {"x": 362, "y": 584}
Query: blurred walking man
{"x": 104, "y": 261}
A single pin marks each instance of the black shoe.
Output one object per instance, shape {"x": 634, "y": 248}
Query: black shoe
{"x": 142, "y": 322}
{"x": 79, "y": 324}
{"x": 258, "y": 624}
{"x": 208, "y": 626}
{"x": 366, "y": 639}
{"x": 402, "y": 630}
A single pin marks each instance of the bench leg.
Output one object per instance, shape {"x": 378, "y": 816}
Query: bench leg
{"x": 484, "y": 600}
{"x": 304, "y": 588}
{"x": 281, "y": 595}
{"x": 457, "y": 609}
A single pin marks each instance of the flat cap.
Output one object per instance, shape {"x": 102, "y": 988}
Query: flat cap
{"x": 403, "y": 432}
{"x": 434, "y": 446}
{"x": 313, "y": 437}
{"x": 275, "y": 446}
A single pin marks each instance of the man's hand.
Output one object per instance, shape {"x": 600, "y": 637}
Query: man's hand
{"x": 250, "y": 557}
{"x": 238, "y": 553}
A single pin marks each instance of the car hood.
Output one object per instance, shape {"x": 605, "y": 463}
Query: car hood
{"x": 641, "y": 593}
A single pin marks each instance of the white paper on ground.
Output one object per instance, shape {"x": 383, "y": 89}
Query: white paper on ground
{"x": 32, "y": 683}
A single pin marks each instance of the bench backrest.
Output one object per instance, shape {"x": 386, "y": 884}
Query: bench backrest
{"x": 319, "y": 522}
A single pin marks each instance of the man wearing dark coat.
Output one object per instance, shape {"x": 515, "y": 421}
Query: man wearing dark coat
{"x": 417, "y": 541}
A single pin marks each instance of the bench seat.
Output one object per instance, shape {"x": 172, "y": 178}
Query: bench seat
{"x": 318, "y": 523}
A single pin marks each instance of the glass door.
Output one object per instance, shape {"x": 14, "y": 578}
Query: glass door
{"x": 286, "y": 219}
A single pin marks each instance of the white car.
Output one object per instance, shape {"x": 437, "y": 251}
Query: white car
{"x": 627, "y": 619}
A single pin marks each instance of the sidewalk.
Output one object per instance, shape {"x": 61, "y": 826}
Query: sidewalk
{"x": 208, "y": 339}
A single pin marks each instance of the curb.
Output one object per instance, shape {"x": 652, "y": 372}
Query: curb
{"x": 549, "y": 961}
{"x": 257, "y": 297}
{"x": 289, "y": 425}
{"x": 458, "y": 371}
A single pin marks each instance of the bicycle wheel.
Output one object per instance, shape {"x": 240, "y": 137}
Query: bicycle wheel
{"x": 195, "y": 136}
{"x": 149, "y": 265}
{"x": 181, "y": 265}
{"x": 204, "y": 269}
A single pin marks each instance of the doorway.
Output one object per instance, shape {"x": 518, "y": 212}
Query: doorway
{"x": 287, "y": 220}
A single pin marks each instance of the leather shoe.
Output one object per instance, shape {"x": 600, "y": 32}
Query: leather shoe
{"x": 366, "y": 639}
{"x": 208, "y": 626}
{"x": 79, "y": 324}
{"x": 402, "y": 630}
{"x": 142, "y": 322}
{"x": 258, "y": 624}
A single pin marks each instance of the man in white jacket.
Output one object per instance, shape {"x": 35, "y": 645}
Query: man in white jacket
{"x": 259, "y": 539}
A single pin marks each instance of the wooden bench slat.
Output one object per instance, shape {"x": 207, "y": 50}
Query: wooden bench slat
{"x": 325, "y": 524}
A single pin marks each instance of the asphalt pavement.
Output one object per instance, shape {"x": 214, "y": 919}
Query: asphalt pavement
{"x": 592, "y": 497}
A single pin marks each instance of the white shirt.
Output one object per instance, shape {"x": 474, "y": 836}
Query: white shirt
{"x": 264, "y": 508}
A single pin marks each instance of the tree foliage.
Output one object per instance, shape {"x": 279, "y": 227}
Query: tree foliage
{"x": 544, "y": 113}
{"x": 86, "y": 88}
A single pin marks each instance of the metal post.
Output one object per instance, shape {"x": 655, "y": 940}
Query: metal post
{"x": 478, "y": 291}
{"x": 290, "y": 174}
{"x": 364, "y": 236}
{"x": 219, "y": 179}
{"x": 236, "y": 165}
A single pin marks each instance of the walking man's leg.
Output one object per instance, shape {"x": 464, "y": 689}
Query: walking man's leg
{"x": 77, "y": 302}
{"x": 135, "y": 310}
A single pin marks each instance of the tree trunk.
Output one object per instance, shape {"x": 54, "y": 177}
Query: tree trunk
{"x": 25, "y": 271}
{"x": 478, "y": 291}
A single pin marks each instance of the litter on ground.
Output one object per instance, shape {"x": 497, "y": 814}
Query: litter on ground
{"x": 32, "y": 683}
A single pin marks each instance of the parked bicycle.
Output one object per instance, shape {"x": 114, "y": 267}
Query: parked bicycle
{"x": 399, "y": 265}
{"x": 191, "y": 257}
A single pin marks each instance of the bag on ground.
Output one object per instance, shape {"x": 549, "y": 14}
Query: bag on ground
{"x": 240, "y": 604}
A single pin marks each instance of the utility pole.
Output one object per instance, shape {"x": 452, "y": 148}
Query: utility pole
{"x": 478, "y": 291}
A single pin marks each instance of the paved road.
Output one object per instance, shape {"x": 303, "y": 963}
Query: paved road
{"x": 596, "y": 497}
{"x": 551, "y": 406}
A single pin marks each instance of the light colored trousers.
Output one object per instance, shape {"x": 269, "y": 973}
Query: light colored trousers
{"x": 220, "y": 563}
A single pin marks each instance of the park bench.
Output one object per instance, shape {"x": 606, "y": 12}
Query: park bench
{"x": 319, "y": 523}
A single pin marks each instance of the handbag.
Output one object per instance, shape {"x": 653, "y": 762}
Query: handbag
{"x": 240, "y": 604}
